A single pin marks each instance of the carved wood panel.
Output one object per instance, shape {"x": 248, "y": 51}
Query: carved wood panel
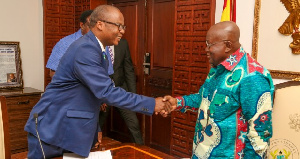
{"x": 192, "y": 20}
{"x": 80, "y": 6}
{"x": 58, "y": 23}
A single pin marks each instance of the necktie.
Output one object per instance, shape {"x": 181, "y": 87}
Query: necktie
{"x": 108, "y": 56}
{"x": 111, "y": 54}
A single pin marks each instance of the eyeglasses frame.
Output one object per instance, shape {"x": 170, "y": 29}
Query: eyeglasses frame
{"x": 120, "y": 26}
{"x": 212, "y": 44}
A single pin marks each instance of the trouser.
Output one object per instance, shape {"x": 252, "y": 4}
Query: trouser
{"x": 131, "y": 121}
{"x": 35, "y": 150}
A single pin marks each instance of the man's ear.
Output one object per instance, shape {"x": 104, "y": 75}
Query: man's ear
{"x": 100, "y": 25}
{"x": 81, "y": 25}
{"x": 228, "y": 45}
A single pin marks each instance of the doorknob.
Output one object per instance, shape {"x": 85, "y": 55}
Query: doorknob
{"x": 146, "y": 63}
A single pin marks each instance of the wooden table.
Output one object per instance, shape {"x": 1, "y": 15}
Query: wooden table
{"x": 120, "y": 151}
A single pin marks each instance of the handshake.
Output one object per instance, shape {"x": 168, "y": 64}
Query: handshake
{"x": 165, "y": 105}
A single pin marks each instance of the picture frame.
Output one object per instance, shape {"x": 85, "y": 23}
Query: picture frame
{"x": 285, "y": 65}
{"x": 10, "y": 65}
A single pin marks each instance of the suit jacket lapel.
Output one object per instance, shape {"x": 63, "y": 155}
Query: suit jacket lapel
{"x": 91, "y": 35}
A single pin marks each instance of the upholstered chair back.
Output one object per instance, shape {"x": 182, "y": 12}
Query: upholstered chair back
{"x": 285, "y": 142}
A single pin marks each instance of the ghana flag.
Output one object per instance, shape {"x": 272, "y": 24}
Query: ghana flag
{"x": 229, "y": 10}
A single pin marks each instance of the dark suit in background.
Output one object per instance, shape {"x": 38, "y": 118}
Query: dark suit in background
{"x": 124, "y": 77}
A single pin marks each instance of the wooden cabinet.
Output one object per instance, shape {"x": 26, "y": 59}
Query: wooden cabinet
{"x": 18, "y": 104}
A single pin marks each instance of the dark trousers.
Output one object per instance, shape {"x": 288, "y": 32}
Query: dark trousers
{"x": 131, "y": 121}
{"x": 35, "y": 150}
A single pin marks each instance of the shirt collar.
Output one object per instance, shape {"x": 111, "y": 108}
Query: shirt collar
{"x": 78, "y": 34}
{"x": 101, "y": 45}
{"x": 233, "y": 59}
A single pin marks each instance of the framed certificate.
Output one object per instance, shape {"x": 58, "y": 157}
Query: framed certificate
{"x": 10, "y": 65}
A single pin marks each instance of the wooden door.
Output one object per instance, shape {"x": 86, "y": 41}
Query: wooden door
{"x": 133, "y": 12}
{"x": 160, "y": 44}
{"x": 150, "y": 28}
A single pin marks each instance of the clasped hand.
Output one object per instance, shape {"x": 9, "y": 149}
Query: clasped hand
{"x": 165, "y": 106}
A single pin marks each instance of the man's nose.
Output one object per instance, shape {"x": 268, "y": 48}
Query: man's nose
{"x": 122, "y": 31}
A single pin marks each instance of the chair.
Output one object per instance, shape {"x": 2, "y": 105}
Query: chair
{"x": 4, "y": 133}
{"x": 285, "y": 142}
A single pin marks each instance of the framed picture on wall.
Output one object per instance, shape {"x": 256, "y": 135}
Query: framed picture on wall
{"x": 270, "y": 47}
{"x": 10, "y": 65}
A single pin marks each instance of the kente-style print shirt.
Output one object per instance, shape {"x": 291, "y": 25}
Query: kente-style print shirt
{"x": 234, "y": 110}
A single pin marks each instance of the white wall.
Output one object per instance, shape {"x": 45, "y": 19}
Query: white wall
{"x": 244, "y": 19}
{"x": 22, "y": 20}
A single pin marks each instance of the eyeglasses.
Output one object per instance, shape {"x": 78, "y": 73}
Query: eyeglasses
{"x": 120, "y": 26}
{"x": 212, "y": 44}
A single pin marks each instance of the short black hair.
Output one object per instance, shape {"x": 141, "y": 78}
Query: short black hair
{"x": 84, "y": 15}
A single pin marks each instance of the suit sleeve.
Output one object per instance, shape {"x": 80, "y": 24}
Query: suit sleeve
{"x": 89, "y": 69}
{"x": 129, "y": 70}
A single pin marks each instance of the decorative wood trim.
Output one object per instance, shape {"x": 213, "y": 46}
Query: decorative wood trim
{"x": 285, "y": 74}
{"x": 286, "y": 84}
{"x": 255, "y": 29}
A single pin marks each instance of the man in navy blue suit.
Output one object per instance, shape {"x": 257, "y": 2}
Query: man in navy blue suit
{"x": 65, "y": 119}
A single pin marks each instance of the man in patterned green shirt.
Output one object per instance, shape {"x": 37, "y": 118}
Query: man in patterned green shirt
{"x": 234, "y": 104}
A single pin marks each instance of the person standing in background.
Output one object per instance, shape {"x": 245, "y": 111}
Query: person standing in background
{"x": 61, "y": 47}
{"x": 123, "y": 77}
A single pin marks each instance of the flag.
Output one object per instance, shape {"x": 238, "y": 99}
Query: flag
{"x": 229, "y": 10}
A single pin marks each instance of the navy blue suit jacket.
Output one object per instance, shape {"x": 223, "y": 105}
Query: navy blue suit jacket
{"x": 68, "y": 111}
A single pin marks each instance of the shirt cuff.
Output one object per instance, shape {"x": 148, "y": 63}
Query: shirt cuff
{"x": 180, "y": 103}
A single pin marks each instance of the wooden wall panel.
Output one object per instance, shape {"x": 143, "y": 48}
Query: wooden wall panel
{"x": 192, "y": 20}
{"x": 80, "y": 6}
{"x": 58, "y": 23}
{"x": 61, "y": 18}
